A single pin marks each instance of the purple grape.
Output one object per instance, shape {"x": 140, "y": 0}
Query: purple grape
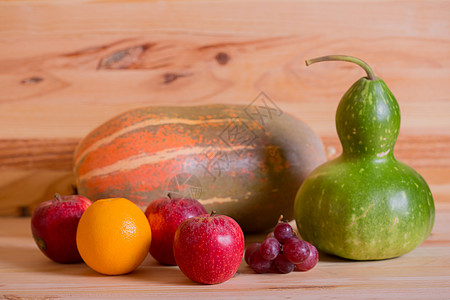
{"x": 258, "y": 263}
{"x": 270, "y": 234}
{"x": 283, "y": 232}
{"x": 311, "y": 261}
{"x": 250, "y": 249}
{"x": 283, "y": 265}
{"x": 270, "y": 248}
{"x": 296, "y": 250}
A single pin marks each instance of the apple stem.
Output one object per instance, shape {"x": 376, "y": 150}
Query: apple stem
{"x": 58, "y": 197}
{"x": 359, "y": 62}
{"x": 213, "y": 213}
{"x": 170, "y": 196}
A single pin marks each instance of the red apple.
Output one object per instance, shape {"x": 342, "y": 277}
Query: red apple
{"x": 164, "y": 216}
{"x": 209, "y": 248}
{"x": 54, "y": 227}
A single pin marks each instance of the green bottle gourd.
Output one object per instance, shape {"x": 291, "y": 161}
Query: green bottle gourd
{"x": 365, "y": 204}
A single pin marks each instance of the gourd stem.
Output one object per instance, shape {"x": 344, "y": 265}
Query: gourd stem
{"x": 359, "y": 62}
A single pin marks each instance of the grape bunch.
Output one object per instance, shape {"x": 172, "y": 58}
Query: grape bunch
{"x": 282, "y": 251}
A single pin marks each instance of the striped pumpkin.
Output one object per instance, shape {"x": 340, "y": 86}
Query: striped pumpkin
{"x": 243, "y": 161}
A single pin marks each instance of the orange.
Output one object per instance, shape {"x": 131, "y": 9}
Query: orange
{"x": 113, "y": 236}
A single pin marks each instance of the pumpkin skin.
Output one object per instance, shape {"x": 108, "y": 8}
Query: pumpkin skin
{"x": 239, "y": 163}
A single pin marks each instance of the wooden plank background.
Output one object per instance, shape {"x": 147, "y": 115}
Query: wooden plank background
{"x": 67, "y": 66}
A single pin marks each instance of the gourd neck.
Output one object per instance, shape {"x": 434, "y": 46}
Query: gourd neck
{"x": 380, "y": 157}
{"x": 368, "y": 120}
{"x": 368, "y": 116}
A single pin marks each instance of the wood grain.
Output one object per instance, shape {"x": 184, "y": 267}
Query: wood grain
{"x": 37, "y": 154}
{"x": 66, "y": 56}
{"x": 66, "y": 67}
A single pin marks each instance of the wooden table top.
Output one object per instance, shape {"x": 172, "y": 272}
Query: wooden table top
{"x": 423, "y": 273}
